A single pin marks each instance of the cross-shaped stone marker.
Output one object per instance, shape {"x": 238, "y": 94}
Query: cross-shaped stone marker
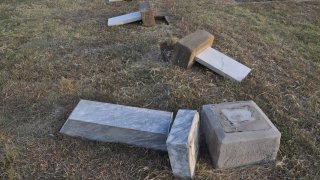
{"x": 146, "y": 13}
{"x": 197, "y": 47}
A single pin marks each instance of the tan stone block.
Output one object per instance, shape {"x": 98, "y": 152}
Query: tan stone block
{"x": 147, "y": 13}
{"x": 190, "y": 46}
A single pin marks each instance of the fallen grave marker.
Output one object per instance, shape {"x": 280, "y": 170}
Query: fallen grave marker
{"x": 197, "y": 47}
{"x": 236, "y": 133}
{"x": 120, "y": 124}
{"x": 146, "y": 13}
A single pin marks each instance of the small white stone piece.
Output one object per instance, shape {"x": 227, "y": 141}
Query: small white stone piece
{"x": 115, "y": 0}
{"x": 222, "y": 64}
{"x": 125, "y": 19}
{"x": 120, "y": 124}
{"x": 239, "y": 134}
{"x": 183, "y": 143}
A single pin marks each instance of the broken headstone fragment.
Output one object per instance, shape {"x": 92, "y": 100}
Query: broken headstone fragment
{"x": 119, "y": 124}
{"x": 183, "y": 143}
{"x": 239, "y": 134}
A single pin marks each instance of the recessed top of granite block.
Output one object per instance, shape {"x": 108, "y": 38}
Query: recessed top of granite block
{"x": 241, "y": 116}
{"x": 239, "y": 134}
{"x": 120, "y": 116}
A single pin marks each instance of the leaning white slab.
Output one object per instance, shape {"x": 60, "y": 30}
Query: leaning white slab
{"x": 121, "y": 124}
{"x": 222, "y": 64}
{"x": 125, "y": 19}
{"x": 183, "y": 143}
{"x": 239, "y": 134}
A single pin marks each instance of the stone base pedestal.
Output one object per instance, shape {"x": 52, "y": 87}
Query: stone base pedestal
{"x": 239, "y": 134}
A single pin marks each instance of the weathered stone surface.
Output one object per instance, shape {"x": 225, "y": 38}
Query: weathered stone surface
{"x": 120, "y": 124}
{"x": 147, "y": 13}
{"x": 124, "y": 19}
{"x": 183, "y": 143}
{"x": 239, "y": 134}
{"x": 222, "y": 64}
{"x": 190, "y": 46}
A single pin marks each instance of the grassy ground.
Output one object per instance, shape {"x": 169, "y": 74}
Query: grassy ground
{"x": 52, "y": 53}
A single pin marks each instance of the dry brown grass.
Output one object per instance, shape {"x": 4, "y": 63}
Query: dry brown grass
{"x": 52, "y": 53}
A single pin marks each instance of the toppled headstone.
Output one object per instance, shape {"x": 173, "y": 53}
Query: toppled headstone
{"x": 239, "y": 134}
{"x": 197, "y": 47}
{"x": 120, "y": 124}
{"x": 183, "y": 143}
{"x": 146, "y": 13}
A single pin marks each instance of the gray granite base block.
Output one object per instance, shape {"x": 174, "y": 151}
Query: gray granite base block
{"x": 239, "y": 134}
{"x": 183, "y": 143}
{"x": 120, "y": 124}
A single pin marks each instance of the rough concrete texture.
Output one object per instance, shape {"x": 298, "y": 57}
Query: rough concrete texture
{"x": 147, "y": 13}
{"x": 239, "y": 134}
{"x": 183, "y": 143}
{"x": 187, "y": 48}
{"x": 121, "y": 124}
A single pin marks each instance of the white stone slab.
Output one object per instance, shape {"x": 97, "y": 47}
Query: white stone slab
{"x": 117, "y": 123}
{"x": 125, "y": 19}
{"x": 115, "y": 0}
{"x": 239, "y": 134}
{"x": 222, "y": 64}
{"x": 183, "y": 143}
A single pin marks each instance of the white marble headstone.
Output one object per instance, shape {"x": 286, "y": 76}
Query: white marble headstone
{"x": 121, "y": 124}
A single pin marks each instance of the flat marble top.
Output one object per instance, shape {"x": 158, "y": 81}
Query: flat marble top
{"x": 140, "y": 119}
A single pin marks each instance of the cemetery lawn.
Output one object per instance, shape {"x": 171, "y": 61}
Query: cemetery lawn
{"x": 54, "y": 53}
